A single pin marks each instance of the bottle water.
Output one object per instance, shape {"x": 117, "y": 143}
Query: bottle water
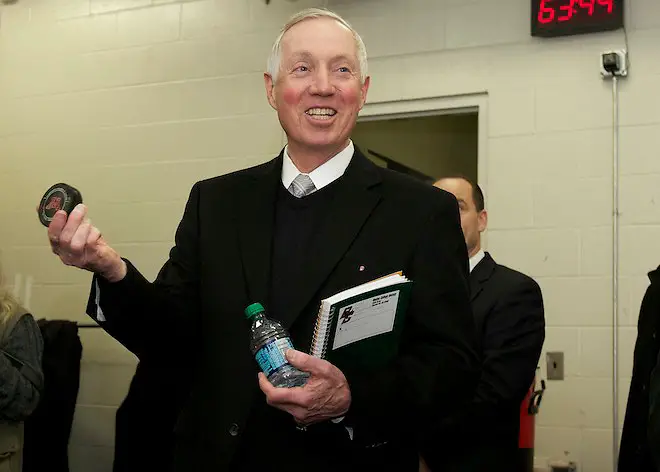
{"x": 268, "y": 343}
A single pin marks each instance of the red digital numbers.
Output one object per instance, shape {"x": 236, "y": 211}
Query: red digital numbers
{"x": 588, "y": 5}
{"x": 548, "y": 13}
{"x": 568, "y": 11}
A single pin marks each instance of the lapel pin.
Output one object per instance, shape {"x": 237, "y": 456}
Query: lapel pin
{"x": 361, "y": 268}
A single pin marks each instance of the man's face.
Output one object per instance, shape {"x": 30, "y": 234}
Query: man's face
{"x": 473, "y": 222}
{"x": 318, "y": 92}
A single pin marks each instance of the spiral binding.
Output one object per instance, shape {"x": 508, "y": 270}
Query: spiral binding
{"x": 326, "y": 336}
{"x": 315, "y": 336}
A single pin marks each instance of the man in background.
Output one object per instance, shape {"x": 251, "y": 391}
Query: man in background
{"x": 640, "y": 439}
{"x": 508, "y": 310}
{"x": 317, "y": 219}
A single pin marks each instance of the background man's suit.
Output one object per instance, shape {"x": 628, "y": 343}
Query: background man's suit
{"x": 377, "y": 222}
{"x": 508, "y": 309}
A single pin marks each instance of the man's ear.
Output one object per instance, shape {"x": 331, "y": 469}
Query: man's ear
{"x": 270, "y": 90}
{"x": 482, "y": 220}
{"x": 364, "y": 89}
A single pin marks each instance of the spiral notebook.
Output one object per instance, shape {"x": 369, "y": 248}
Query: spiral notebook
{"x": 362, "y": 325}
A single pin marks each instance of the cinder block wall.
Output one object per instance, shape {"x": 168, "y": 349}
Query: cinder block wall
{"x": 134, "y": 100}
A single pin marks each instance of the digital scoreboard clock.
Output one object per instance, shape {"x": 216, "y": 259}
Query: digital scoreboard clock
{"x": 568, "y": 17}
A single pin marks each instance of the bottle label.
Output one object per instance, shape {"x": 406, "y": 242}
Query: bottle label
{"x": 271, "y": 356}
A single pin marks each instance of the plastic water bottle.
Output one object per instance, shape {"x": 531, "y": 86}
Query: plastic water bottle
{"x": 268, "y": 343}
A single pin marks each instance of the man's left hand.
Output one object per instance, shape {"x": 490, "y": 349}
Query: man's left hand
{"x": 325, "y": 395}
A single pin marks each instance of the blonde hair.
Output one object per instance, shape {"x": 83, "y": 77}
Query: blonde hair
{"x": 274, "y": 60}
{"x": 8, "y": 303}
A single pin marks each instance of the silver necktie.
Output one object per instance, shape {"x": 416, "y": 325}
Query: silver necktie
{"x": 302, "y": 186}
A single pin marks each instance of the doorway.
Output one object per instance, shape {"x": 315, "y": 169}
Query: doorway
{"x": 424, "y": 147}
{"x": 429, "y": 137}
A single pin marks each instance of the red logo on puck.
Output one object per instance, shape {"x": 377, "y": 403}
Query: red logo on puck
{"x": 55, "y": 203}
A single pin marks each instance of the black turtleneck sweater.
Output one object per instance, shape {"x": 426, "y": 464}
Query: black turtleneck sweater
{"x": 297, "y": 220}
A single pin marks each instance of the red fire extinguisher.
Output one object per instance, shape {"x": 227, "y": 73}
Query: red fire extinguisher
{"x": 528, "y": 409}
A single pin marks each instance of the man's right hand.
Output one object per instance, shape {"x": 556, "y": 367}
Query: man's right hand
{"x": 79, "y": 244}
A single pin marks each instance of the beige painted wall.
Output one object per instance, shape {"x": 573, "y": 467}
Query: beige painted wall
{"x": 435, "y": 145}
{"x": 133, "y": 100}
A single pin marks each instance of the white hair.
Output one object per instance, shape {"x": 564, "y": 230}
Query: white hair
{"x": 274, "y": 60}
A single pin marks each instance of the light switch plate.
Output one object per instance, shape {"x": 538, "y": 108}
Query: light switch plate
{"x": 555, "y": 365}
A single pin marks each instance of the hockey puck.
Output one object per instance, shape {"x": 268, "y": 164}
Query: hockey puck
{"x": 58, "y": 197}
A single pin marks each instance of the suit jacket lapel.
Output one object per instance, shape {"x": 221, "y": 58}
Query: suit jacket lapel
{"x": 355, "y": 200}
{"x": 480, "y": 274}
{"x": 256, "y": 221}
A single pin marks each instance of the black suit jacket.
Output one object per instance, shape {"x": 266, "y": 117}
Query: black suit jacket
{"x": 640, "y": 439}
{"x": 379, "y": 220}
{"x": 508, "y": 310}
{"x": 144, "y": 427}
{"x": 145, "y": 420}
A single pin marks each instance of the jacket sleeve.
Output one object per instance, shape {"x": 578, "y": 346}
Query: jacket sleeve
{"x": 512, "y": 344}
{"x": 140, "y": 314}
{"x": 21, "y": 375}
{"x": 438, "y": 367}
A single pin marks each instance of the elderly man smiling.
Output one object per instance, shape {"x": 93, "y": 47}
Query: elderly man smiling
{"x": 316, "y": 220}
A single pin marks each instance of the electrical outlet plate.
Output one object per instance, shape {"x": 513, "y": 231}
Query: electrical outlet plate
{"x": 555, "y": 365}
{"x": 623, "y": 60}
